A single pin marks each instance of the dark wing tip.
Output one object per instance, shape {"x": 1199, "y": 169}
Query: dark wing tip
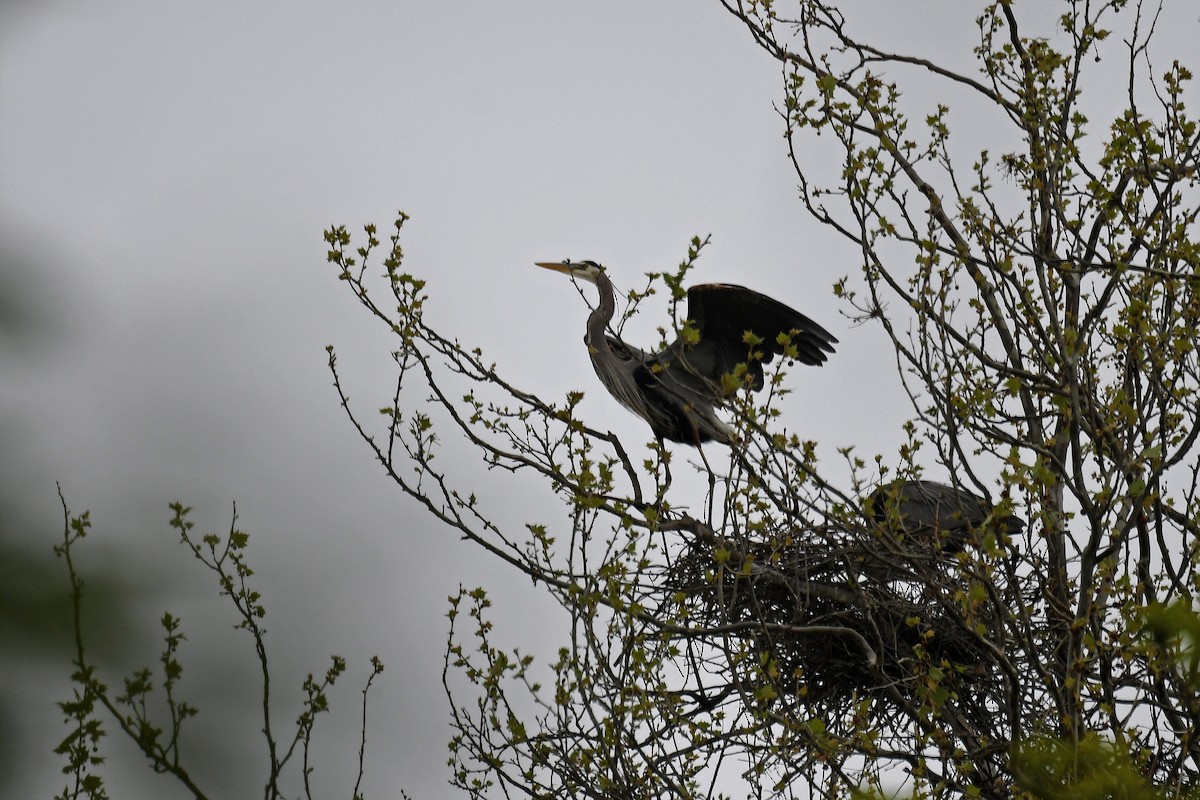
{"x": 724, "y": 312}
{"x": 738, "y": 308}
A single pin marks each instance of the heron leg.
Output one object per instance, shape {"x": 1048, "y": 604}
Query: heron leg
{"x": 712, "y": 483}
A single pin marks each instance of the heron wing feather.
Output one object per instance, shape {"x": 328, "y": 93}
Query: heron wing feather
{"x": 722, "y": 315}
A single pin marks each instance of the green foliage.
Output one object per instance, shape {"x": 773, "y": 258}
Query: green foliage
{"x": 1175, "y": 632}
{"x": 1088, "y": 769}
{"x": 160, "y": 739}
{"x": 82, "y": 745}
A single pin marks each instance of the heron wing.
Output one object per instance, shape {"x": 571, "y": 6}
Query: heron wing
{"x": 940, "y": 505}
{"x": 677, "y": 403}
{"x": 723, "y": 314}
{"x": 933, "y": 509}
{"x": 653, "y": 372}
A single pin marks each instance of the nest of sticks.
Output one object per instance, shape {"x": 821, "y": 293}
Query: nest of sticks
{"x": 831, "y": 617}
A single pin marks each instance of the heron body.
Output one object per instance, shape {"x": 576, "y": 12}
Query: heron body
{"x": 678, "y": 389}
{"x": 946, "y": 516}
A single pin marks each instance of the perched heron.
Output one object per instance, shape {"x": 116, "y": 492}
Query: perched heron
{"x": 677, "y": 389}
{"x": 942, "y": 515}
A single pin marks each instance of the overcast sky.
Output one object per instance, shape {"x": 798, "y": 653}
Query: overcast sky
{"x": 166, "y": 171}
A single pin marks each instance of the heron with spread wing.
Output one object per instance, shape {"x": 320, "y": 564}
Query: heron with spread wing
{"x": 678, "y": 389}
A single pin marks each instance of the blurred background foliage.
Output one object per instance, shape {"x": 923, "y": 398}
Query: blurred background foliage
{"x": 35, "y": 618}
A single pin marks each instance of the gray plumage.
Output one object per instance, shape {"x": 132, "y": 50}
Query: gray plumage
{"x": 677, "y": 389}
{"x": 935, "y": 513}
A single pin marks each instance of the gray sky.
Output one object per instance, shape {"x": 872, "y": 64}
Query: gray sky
{"x": 166, "y": 171}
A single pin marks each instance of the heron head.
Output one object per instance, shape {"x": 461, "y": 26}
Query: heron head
{"x": 581, "y": 270}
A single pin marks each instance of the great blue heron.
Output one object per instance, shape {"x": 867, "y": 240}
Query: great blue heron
{"x": 947, "y": 517}
{"x": 678, "y": 388}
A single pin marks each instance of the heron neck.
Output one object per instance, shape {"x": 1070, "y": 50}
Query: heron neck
{"x": 598, "y": 320}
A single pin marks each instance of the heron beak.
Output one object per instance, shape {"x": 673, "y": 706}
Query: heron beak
{"x": 557, "y": 266}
